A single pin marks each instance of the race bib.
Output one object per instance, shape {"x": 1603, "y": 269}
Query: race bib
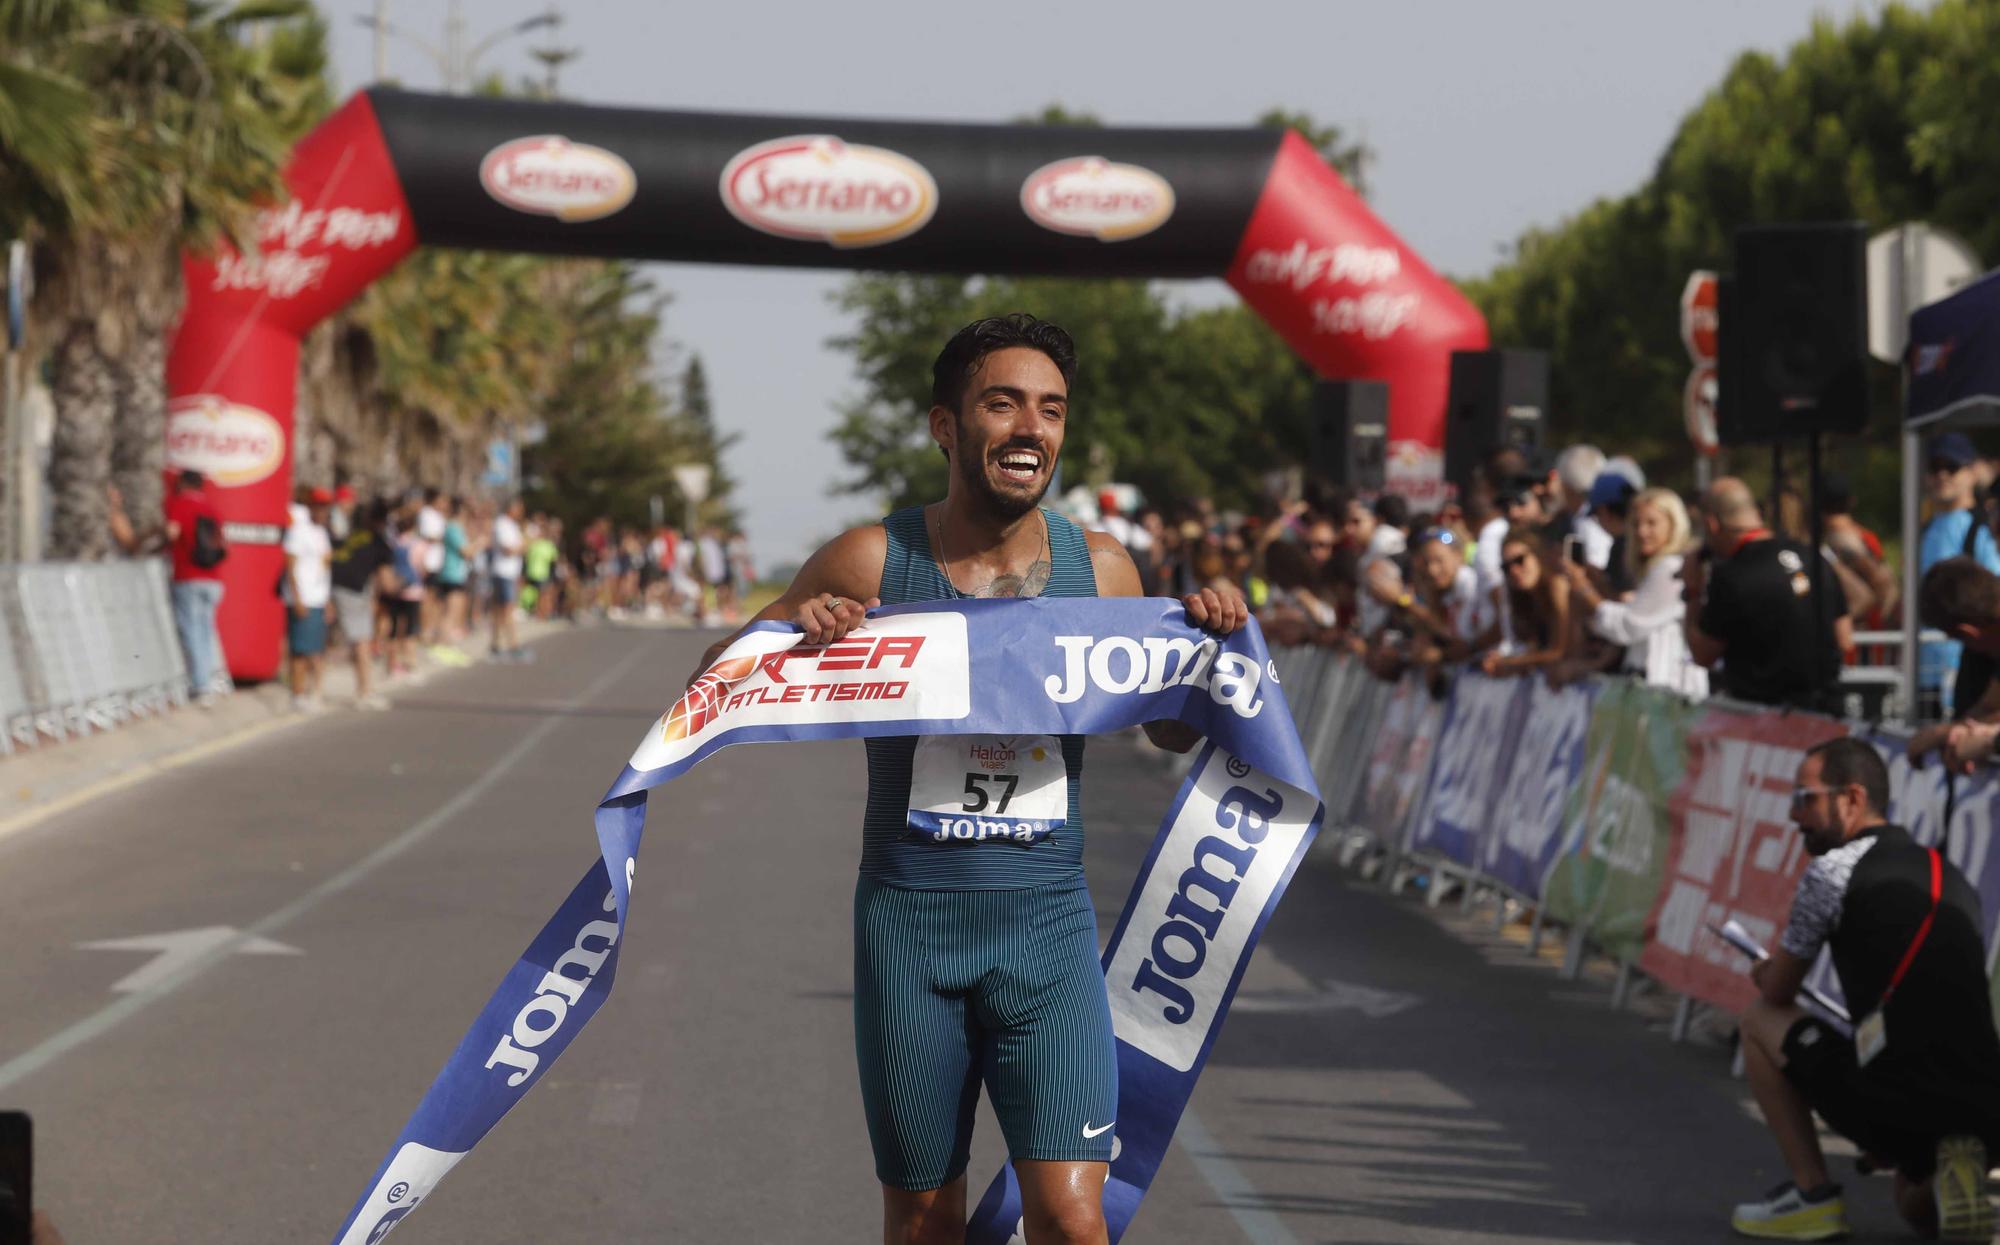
{"x": 971, "y": 788}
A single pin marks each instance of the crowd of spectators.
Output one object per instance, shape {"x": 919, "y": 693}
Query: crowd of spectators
{"x": 391, "y": 582}
{"x": 1556, "y": 571}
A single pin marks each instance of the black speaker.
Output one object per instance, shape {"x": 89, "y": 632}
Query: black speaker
{"x": 1348, "y": 439}
{"x": 1794, "y": 348}
{"x": 1498, "y": 399}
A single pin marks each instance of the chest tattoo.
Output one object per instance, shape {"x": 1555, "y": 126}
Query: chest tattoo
{"x": 1028, "y": 584}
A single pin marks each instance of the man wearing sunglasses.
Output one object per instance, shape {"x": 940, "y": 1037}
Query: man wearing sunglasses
{"x": 1955, "y": 530}
{"x": 1917, "y": 1087}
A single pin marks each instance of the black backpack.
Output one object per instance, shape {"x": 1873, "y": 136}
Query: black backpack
{"x": 209, "y": 549}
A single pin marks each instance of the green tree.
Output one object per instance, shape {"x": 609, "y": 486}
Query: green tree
{"x": 698, "y": 412}
{"x": 129, "y": 129}
{"x": 1882, "y": 119}
{"x": 1181, "y": 403}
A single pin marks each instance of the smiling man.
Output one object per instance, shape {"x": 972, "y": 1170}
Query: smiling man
{"x": 977, "y": 960}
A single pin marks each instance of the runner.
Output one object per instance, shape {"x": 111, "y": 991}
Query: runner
{"x": 979, "y": 960}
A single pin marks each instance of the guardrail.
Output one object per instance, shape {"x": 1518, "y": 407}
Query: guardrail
{"x": 84, "y": 646}
{"x": 1625, "y": 815}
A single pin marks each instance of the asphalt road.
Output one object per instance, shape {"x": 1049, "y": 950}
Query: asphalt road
{"x": 1388, "y": 1075}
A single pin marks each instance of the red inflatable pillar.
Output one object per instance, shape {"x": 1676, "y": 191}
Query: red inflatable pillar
{"x": 1357, "y": 303}
{"x": 232, "y": 369}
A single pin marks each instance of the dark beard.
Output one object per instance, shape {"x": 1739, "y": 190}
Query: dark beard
{"x": 1006, "y": 507}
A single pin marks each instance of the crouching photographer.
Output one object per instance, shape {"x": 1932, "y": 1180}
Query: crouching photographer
{"x": 1917, "y": 1087}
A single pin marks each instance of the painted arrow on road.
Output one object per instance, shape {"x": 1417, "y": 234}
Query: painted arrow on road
{"x": 1334, "y": 996}
{"x": 174, "y": 951}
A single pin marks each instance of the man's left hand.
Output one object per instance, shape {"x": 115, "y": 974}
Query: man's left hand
{"x": 1219, "y": 611}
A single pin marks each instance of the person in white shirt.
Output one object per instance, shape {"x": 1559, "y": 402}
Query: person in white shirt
{"x": 1518, "y": 507}
{"x": 1448, "y": 611}
{"x": 1648, "y": 623}
{"x": 430, "y": 531}
{"x": 508, "y": 545}
{"x": 308, "y": 596}
{"x": 1381, "y": 537}
{"x": 1576, "y": 472}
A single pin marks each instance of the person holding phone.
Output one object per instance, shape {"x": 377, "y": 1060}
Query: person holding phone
{"x": 1647, "y": 624}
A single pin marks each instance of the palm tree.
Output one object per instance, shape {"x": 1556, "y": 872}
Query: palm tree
{"x": 169, "y": 125}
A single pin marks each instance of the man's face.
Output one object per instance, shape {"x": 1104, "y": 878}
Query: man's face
{"x": 1357, "y": 525}
{"x": 1437, "y": 566}
{"x": 1524, "y": 509}
{"x": 1321, "y": 540}
{"x": 1008, "y": 432}
{"x": 1951, "y": 483}
{"x": 1819, "y": 813}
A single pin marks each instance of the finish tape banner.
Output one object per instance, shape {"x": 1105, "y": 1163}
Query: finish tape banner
{"x": 1225, "y": 852}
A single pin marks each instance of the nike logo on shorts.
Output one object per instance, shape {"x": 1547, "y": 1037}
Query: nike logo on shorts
{"x": 1099, "y": 1131}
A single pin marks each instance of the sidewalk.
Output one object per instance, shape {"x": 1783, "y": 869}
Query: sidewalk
{"x": 54, "y": 775}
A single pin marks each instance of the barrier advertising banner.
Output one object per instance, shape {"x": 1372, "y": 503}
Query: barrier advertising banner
{"x": 1483, "y": 724}
{"x": 1398, "y": 760}
{"x": 1616, "y": 820}
{"x": 1524, "y": 832}
{"x": 1734, "y": 851}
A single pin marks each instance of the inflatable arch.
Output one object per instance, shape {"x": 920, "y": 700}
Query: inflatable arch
{"x": 393, "y": 169}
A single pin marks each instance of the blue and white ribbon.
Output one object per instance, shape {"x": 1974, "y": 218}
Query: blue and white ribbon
{"x": 1227, "y": 849}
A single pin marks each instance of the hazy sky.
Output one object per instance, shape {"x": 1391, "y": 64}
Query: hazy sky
{"x": 1486, "y": 118}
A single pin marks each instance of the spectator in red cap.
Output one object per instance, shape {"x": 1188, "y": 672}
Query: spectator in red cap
{"x": 340, "y": 522}
{"x": 308, "y": 593}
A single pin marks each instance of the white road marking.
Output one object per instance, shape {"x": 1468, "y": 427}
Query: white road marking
{"x": 617, "y": 1102}
{"x": 173, "y": 950}
{"x": 102, "y": 1021}
{"x": 1333, "y": 996}
{"x": 1232, "y": 1187}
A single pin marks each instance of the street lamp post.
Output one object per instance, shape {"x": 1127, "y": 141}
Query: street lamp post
{"x": 455, "y": 61}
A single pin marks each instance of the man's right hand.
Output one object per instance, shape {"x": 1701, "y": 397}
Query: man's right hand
{"x": 827, "y": 617}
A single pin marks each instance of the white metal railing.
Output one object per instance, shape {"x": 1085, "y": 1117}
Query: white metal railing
{"x": 83, "y": 647}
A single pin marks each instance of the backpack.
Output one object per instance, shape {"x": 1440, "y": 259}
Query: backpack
{"x": 209, "y": 549}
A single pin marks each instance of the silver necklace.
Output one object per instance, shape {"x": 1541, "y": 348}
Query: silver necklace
{"x": 1029, "y": 584}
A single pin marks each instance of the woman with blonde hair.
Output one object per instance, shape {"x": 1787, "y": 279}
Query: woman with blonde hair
{"x": 1648, "y": 622}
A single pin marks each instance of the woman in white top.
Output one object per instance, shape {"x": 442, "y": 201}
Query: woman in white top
{"x": 1648, "y": 622}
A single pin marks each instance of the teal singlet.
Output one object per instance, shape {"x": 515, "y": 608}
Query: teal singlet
{"x": 889, "y": 853}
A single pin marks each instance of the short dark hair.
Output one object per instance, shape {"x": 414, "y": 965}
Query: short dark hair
{"x": 1845, "y": 760}
{"x": 1958, "y": 591}
{"x": 190, "y": 478}
{"x": 1393, "y": 509}
{"x": 969, "y": 347}
{"x": 1836, "y": 494}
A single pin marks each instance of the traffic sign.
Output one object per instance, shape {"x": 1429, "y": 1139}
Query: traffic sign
{"x": 1908, "y": 267}
{"x": 693, "y": 481}
{"x": 1698, "y": 408}
{"x": 1698, "y": 317}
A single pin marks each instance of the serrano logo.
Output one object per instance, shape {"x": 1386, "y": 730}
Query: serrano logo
{"x": 1093, "y": 198}
{"x": 816, "y": 188}
{"x": 547, "y": 175}
{"x": 231, "y": 444}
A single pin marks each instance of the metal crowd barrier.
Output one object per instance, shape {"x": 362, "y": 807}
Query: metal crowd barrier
{"x": 84, "y": 646}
